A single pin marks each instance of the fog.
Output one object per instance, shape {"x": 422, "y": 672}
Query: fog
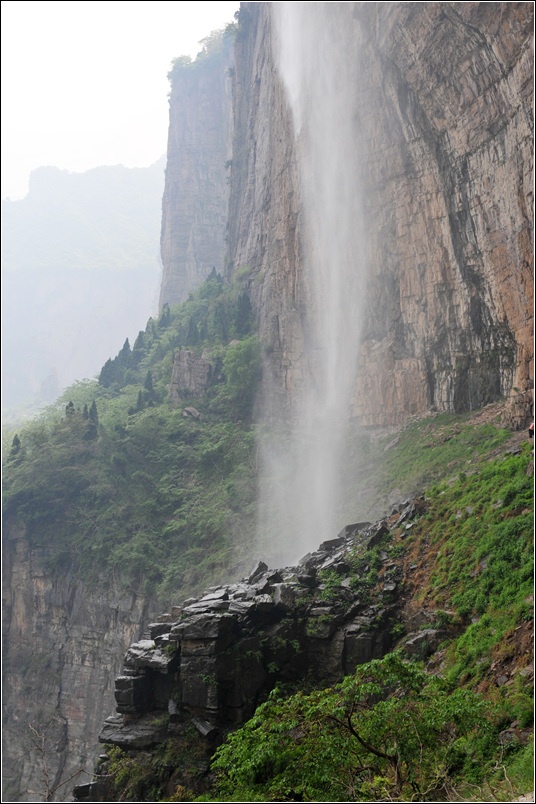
{"x": 80, "y": 273}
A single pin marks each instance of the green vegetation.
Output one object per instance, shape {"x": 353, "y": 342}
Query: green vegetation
{"x": 167, "y": 773}
{"x": 388, "y": 732}
{"x": 382, "y": 468}
{"x": 212, "y": 47}
{"x": 394, "y": 730}
{"x": 428, "y": 448}
{"x": 480, "y": 531}
{"x": 473, "y": 549}
{"x": 115, "y": 479}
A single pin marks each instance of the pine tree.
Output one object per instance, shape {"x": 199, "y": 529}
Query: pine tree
{"x": 123, "y": 358}
{"x": 148, "y": 384}
{"x": 221, "y": 328}
{"x": 93, "y": 414}
{"x": 139, "y": 342}
{"x": 244, "y": 315}
{"x": 107, "y": 373}
{"x": 165, "y": 317}
{"x": 192, "y": 338}
{"x": 138, "y": 350}
{"x": 15, "y": 445}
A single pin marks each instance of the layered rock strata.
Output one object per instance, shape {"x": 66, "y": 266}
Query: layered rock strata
{"x": 443, "y": 117}
{"x": 194, "y": 206}
{"x": 63, "y": 641}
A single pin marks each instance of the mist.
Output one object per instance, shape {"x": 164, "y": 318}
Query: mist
{"x": 305, "y": 471}
{"x": 81, "y": 272}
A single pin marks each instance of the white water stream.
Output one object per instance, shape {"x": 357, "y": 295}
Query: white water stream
{"x": 314, "y": 47}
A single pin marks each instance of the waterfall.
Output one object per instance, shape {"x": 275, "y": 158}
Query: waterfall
{"x": 315, "y": 54}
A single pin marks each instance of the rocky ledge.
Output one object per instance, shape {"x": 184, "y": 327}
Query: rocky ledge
{"x": 213, "y": 660}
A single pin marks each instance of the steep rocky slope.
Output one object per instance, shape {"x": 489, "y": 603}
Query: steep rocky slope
{"x": 205, "y": 666}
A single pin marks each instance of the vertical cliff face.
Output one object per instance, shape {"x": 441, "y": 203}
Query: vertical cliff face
{"x": 194, "y": 207}
{"x": 265, "y": 208}
{"x": 443, "y": 120}
{"x": 63, "y": 644}
{"x": 448, "y": 125}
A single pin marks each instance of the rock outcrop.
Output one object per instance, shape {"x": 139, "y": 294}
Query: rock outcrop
{"x": 224, "y": 651}
{"x": 191, "y": 375}
{"x": 208, "y": 663}
{"x": 211, "y": 661}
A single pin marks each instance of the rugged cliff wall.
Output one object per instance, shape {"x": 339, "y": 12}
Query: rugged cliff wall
{"x": 443, "y": 119}
{"x": 194, "y": 207}
{"x": 265, "y": 207}
{"x": 449, "y": 181}
{"x": 63, "y": 643}
{"x": 444, "y": 123}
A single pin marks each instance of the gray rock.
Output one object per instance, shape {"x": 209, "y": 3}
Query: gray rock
{"x": 421, "y": 644}
{"x": 205, "y": 728}
{"x": 259, "y": 569}
{"x": 157, "y": 629}
{"x": 207, "y": 605}
{"x": 331, "y": 544}
{"x": 218, "y": 594}
{"x": 142, "y": 732}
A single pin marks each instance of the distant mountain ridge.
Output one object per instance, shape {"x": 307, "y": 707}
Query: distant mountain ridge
{"x": 71, "y": 248}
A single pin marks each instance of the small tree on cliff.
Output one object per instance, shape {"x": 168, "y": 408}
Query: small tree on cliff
{"x": 123, "y": 357}
{"x": 244, "y": 315}
{"x": 45, "y": 749}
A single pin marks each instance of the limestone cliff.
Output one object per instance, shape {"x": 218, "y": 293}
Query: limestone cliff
{"x": 63, "y": 642}
{"x": 194, "y": 207}
{"x": 444, "y": 123}
{"x": 450, "y": 179}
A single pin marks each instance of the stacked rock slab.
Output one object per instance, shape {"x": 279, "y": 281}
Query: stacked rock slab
{"x": 212, "y": 661}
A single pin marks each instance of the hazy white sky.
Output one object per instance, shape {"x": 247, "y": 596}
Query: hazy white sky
{"x": 84, "y": 83}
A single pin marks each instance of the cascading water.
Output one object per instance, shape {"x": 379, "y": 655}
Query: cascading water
{"x": 315, "y": 53}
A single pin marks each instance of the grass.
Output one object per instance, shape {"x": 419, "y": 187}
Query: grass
{"x": 432, "y": 449}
